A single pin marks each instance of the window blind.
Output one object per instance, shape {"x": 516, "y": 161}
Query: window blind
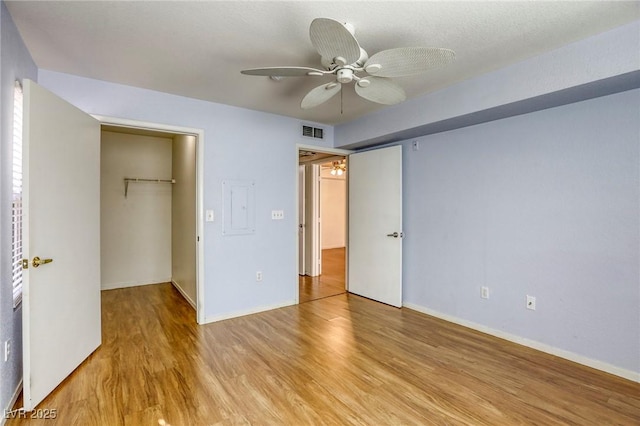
{"x": 16, "y": 200}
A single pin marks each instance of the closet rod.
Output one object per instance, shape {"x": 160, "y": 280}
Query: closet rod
{"x": 127, "y": 180}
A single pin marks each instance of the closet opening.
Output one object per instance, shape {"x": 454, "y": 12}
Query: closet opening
{"x": 149, "y": 204}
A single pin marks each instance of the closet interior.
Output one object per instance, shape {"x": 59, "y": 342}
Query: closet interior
{"x": 148, "y": 209}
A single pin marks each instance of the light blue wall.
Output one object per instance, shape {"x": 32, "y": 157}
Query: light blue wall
{"x": 239, "y": 144}
{"x": 598, "y": 65}
{"x": 542, "y": 199}
{"x": 15, "y": 63}
{"x": 543, "y": 204}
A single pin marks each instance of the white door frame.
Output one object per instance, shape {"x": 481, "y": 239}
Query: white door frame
{"x": 313, "y": 238}
{"x": 302, "y": 176}
{"x": 322, "y": 150}
{"x": 199, "y": 134}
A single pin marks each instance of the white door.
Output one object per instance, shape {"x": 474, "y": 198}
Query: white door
{"x": 301, "y": 220}
{"x": 313, "y": 252}
{"x": 61, "y": 193}
{"x": 375, "y": 225}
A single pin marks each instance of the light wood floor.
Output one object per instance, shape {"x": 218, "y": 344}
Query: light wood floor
{"x": 332, "y": 280}
{"x": 341, "y": 360}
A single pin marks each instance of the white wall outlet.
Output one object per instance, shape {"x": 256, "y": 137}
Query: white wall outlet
{"x": 259, "y": 276}
{"x": 7, "y": 350}
{"x": 415, "y": 145}
{"x": 277, "y": 214}
{"x": 209, "y": 216}
{"x": 484, "y": 292}
{"x": 531, "y": 302}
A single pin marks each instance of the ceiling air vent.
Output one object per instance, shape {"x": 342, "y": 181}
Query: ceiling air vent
{"x": 312, "y": 132}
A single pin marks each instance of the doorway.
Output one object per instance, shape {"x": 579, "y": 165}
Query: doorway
{"x": 151, "y": 193}
{"x": 322, "y": 223}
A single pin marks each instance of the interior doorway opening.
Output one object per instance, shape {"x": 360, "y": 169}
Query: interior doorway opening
{"x": 322, "y": 223}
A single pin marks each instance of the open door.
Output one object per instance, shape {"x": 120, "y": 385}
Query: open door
{"x": 301, "y": 219}
{"x": 375, "y": 225}
{"x": 61, "y": 195}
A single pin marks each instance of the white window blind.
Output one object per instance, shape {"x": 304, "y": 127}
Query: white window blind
{"x": 16, "y": 204}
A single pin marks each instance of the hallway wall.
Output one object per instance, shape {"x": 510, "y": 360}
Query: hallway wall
{"x": 333, "y": 209}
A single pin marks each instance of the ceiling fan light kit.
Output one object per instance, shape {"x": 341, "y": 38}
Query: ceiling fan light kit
{"x": 343, "y": 58}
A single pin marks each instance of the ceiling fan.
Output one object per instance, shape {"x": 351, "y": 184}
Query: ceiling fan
{"x": 342, "y": 57}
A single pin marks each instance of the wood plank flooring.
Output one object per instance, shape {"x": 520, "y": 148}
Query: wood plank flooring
{"x": 332, "y": 280}
{"x": 341, "y": 360}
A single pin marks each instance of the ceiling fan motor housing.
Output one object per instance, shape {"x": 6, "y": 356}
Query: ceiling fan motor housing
{"x": 331, "y": 64}
{"x": 345, "y": 75}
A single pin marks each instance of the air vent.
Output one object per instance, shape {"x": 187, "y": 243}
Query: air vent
{"x": 307, "y": 131}
{"x": 312, "y": 132}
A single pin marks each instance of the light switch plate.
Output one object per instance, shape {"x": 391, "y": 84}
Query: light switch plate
{"x": 277, "y": 214}
{"x": 209, "y": 215}
{"x": 7, "y": 350}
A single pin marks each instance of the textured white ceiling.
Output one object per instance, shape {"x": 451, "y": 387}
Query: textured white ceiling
{"x": 197, "y": 49}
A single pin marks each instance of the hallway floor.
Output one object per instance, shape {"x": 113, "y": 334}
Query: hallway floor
{"x": 332, "y": 280}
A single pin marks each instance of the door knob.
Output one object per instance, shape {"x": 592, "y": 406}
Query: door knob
{"x": 37, "y": 261}
{"x": 396, "y": 235}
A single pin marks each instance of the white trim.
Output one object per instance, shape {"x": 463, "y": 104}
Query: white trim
{"x": 341, "y": 246}
{"x": 199, "y": 133}
{"x": 184, "y": 294}
{"x": 127, "y": 284}
{"x": 200, "y": 293}
{"x": 322, "y": 150}
{"x": 571, "y": 356}
{"x": 237, "y": 314}
{"x": 146, "y": 125}
{"x": 313, "y": 266}
{"x": 12, "y": 402}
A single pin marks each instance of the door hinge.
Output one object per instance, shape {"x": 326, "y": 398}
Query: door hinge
{"x": 25, "y": 263}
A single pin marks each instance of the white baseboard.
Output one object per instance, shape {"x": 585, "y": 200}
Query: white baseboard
{"x": 236, "y": 314}
{"x": 571, "y": 356}
{"x": 14, "y": 398}
{"x": 126, "y": 284}
{"x": 184, "y": 294}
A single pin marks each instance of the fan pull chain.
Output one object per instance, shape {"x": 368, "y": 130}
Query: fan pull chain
{"x": 341, "y": 102}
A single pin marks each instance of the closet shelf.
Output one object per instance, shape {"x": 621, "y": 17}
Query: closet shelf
{"x": 127, "y": 180}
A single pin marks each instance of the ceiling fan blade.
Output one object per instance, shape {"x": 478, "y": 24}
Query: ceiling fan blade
{"x": 284, "y": 71}
{"x": 320, "y": 95}
{"x": 333, "y": 40}
{"x": 380, "y": 90}
{"x": 407, "y": 61}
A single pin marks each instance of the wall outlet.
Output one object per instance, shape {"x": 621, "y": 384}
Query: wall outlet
{"x": 259, "y": 276}
{"x": 531, "y": 302}
{"x": 484, "y": 292}
{"x": 277, "y": 214}
{"x": 7, "y": 350}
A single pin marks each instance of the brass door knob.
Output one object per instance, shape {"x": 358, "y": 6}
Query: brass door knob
{"x": 37, "y": 261}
